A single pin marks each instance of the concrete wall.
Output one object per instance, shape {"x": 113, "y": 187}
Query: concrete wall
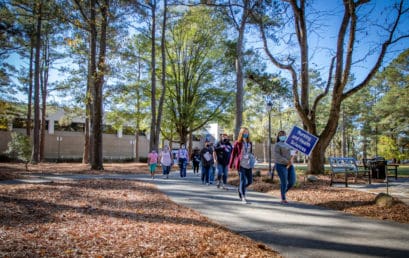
{"x": 72, "y": 145}
{"x": 114, "y": 147}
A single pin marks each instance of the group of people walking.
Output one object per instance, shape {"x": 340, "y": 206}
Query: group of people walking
{"x": 224, "y": 156}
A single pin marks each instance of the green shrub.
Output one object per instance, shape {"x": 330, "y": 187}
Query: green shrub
{"x": 19, "y": 148}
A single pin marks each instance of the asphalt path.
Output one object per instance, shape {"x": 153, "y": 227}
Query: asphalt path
{"x": 294, "y": 230}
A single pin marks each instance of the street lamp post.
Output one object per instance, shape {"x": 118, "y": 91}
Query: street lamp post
{"x": 269, "y": 108}
{"x": 59, "y": 140}
{"x": 132, "y": 142}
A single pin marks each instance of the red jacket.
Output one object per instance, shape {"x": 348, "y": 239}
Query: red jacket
{"x": 235, "y": 157}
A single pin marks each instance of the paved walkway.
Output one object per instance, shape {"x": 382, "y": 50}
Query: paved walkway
{"x": 294, "y": 230}
{"x": 398, "y": 188}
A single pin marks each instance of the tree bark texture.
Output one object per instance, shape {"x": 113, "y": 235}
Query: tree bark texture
{"x": 36, "y": 132}
{"x": 44, "y": 86}
{"x": 98, "y": 91}
{"x": 152, "y": 141}
{"x": 30, "y": 87}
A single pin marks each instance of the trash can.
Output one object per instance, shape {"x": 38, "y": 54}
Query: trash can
{"x": 378, "y": 167}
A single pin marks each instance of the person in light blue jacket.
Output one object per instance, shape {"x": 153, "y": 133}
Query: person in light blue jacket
{"x": 284, "y": 165}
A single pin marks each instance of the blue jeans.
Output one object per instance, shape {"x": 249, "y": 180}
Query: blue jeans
{"x": 182, "y": 166}
{"x": 165, "y": 170}
{"x": 222, "y": 171}
{"x": 205, "y": 174}
{"x": 211, "y": 174}
{"x": 287, "y": 178}
{"x": 246, "y": 179}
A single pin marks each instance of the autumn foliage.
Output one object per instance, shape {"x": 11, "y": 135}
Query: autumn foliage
{"x": 109, "y": 218}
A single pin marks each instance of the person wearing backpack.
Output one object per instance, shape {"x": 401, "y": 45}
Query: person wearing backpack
{"x": 222, "y": 152}
{"x": 207, "y": 160}
{"x": 195, "y": 158}
{"x": 242, "y": 159}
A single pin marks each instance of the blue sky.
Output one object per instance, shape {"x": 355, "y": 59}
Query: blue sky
{"x": 369, "y": 37}
{"x": 323, "y": 39}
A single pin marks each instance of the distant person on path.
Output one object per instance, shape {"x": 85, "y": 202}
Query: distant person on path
{"x": 284, "y": 165}
{"x": 242, "y": 159}
{"x": 152, "y": 162}
{"x": 183, "y": 159}
{"x": 195, "y": 158}
{"x": 166, "y": 161}
{"x": 207, "y": 161}
{"x": 212, "y": 168}
{"x": 222, "y": 153}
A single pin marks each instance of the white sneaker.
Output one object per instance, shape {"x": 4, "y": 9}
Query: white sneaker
{"x": 243, "y": 200}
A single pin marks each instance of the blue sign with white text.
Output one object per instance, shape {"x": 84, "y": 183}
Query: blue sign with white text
{"x": 301, "y": 140}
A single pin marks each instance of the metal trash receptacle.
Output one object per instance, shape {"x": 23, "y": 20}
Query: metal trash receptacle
{"x": 378, "y": 167}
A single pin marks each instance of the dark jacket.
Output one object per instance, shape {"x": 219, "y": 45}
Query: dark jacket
{"x": 223, "y": 152}
{"x": 195, "y": 157}
{"x": 207, "y": 152}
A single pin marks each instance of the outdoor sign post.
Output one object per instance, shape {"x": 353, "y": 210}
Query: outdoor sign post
{"x": 132, "y": 143}
{"x": 59, "y": 140}
{"x": 301, "y": 140}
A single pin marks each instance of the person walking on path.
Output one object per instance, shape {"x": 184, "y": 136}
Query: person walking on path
{"x": 183, "y": 159}
{"x": 166, "y": 161}
{"x": 195, "y": 158}
{"x": 284, "y": 165}
{"x": 152, "y": 162}
{"x": 242, "y": 159}
{"x": 207, "y": 161}
{"x": 212, "y": 168}
{"x": 223, "y": 150}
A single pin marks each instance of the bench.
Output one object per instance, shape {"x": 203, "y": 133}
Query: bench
{"x": 393, "y": 168}
{"x": 347, "y": 166}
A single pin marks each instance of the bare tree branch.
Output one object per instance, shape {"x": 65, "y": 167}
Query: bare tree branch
{"x": 385, "y": 45}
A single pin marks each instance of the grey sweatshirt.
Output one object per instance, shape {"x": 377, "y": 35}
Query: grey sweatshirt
{"x": 281, "y": 153}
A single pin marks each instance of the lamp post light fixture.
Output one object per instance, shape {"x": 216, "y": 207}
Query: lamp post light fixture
{"x": 269, "y": 107}
{"x": 59, "y": 140}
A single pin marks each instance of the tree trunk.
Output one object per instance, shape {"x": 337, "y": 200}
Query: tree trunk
{"x": 97, "y": 162}
{"x": 316, "y": 160}
{"x": 344, "y": 136}
{"x": 239, "y": 69}
{"x": 191, "y": 142}
{"x": 30, "y": 87}
{"x": 136, "y": 146}
{"x": 183, "y": 135}
{"x": 163, "y": 81}
{"x": 36, "y": 131}
{"x": 92, "y": 80}
{"x": 239, "y": 76}
{"x": 138, "y": 111}
{"x": 85, "y": 154}
{"x": 44, "y": 86}
{"x": 152, "y": 140}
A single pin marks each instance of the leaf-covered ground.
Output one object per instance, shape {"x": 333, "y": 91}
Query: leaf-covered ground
{"x": 109, "y": 218}
{"x": 106, "y": 218}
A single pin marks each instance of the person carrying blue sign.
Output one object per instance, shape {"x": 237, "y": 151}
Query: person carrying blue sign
{"x": 284, "y": 165}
